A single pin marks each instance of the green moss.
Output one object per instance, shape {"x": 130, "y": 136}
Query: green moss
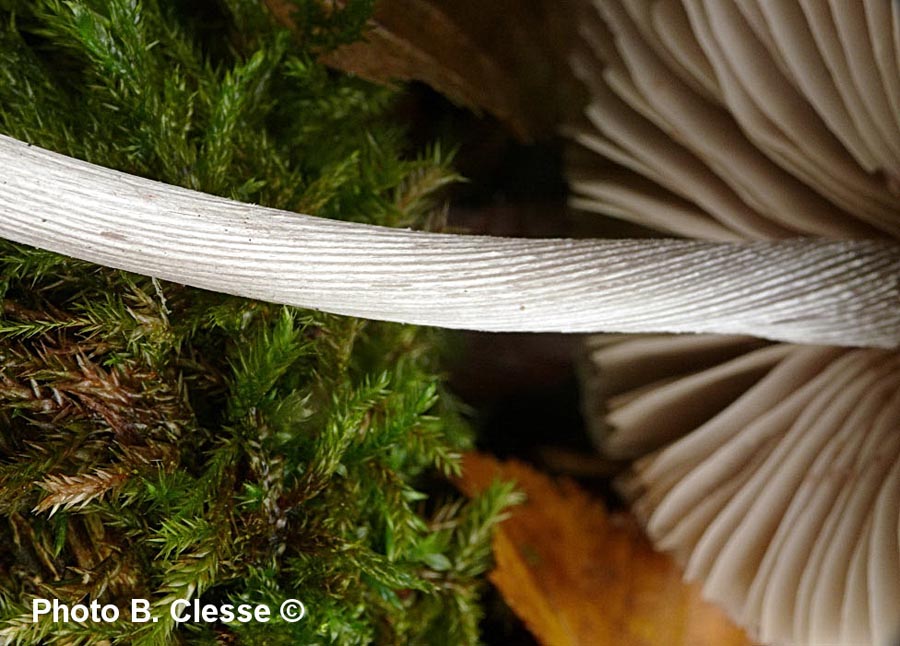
{"x": 162, "y": 442}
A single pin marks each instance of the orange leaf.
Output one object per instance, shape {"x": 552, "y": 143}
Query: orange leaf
{"x": 578, "y": 576}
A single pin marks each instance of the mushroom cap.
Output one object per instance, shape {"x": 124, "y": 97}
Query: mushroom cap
{"x": 781, "y": 491}
{"x": 746, "y": 119}
{"x": 771, "y": 471}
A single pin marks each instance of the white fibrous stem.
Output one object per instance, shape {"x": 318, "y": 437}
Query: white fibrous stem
{"x": 800, "y": 290}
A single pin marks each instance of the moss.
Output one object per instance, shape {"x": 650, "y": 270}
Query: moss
{"x": 162, "y": 442}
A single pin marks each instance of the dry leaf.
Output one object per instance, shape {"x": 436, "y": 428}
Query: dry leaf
{"x": 579, "y": 576}
{"x": 507, "y": 58}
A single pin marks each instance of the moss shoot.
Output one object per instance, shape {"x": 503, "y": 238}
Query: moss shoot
{"x": 163, "y": 442}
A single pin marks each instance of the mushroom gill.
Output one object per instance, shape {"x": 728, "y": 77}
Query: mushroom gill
{"x": 781, "y": 489}
{"x": 743, "y": 119}
{"x": 770, "y": 471}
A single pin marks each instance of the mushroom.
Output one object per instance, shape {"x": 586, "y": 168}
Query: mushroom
{"x": 500, "y": 284}
{"x": 770, "y": 471}
{"x": 744, "y": 120}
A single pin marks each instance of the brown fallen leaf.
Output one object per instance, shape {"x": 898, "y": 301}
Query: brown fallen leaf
{"x": 506, "y": 57}
{"x": 578, "y": 576}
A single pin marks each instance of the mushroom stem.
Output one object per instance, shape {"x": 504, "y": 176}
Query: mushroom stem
{"x": 801, "y": 290}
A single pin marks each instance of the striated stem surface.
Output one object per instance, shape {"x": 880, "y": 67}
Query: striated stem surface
{"x": 800, "y": 290}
